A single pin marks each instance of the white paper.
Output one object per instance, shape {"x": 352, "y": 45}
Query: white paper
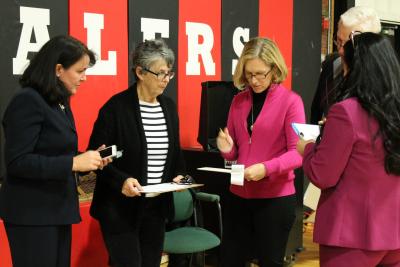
{"x": 306, "y": 131}
{"x": 212, "y": 169}
{"x": 166, "y": 187}
{"x": 311, "y": 196}
{"x": 237, "y": 174}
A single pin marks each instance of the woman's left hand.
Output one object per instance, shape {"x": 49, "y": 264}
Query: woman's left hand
{"x": 255, "y": 172}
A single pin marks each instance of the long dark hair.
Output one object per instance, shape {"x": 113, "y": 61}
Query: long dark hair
{"x": 374, "y": 79}
{"x": 41, "y": 72}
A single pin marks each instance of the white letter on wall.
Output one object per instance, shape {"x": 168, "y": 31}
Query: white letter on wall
{"x": 193, "y": 31}
{"x": 150, "y": 27}
{"x": 237, "y": 44}
{"x": 34, "y": 20}
{"x": 94, "y": 23}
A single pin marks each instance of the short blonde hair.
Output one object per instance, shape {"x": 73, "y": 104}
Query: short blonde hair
{"x": 361, "y": 18}
{"x": 266, "y": 50}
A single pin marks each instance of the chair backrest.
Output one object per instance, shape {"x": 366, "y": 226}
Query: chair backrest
{"x": 183, "y": 203}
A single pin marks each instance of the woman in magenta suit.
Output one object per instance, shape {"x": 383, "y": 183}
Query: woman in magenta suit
{"x": 357, "y": 162}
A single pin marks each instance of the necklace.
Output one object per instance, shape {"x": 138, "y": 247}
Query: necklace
{"x": 256, "y": 106}
{"x": 252, "y": 117}
{"x": 62, "y": 107}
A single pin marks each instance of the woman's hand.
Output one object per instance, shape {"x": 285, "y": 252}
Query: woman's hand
{"x": 322, "y": 121}
{"x": 224, "y": 141}
{"x": 177, "y": 179}
{"x": 88, "y": 161}
{"x": 255, "y": 172}
{"x": 131, "y": 187}
{"x": 301, "y": 144}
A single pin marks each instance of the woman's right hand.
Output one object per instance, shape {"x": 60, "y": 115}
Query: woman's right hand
{"x": 131, "y": 187}
{"x": 88, "y": 161}
{"x": 224, "y": 141}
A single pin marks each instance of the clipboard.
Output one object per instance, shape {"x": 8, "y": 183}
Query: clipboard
{"x": 306, "y": 131}
{"x": 166, "y": 187}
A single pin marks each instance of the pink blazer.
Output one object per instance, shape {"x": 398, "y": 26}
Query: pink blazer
{"x": 273, "y": 141}
{"x": 360, "y": 203}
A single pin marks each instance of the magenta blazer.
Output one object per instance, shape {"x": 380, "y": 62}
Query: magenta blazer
{"x": 273, "y": 141}
{"x": 359, "y": 205}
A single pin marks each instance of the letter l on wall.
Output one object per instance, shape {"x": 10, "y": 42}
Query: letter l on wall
{"x": 94, "y": 23}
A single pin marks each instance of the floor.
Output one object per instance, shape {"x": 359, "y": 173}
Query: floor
{"x": 307, "y": 258}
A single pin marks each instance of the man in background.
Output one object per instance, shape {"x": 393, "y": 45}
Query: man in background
{"x": 359, "y": 18}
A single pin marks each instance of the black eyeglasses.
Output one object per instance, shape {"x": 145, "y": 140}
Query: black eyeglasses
{"x": 351, "y": 36}
{"x": 161, "y": 75}
{"x": 258, "y": 76}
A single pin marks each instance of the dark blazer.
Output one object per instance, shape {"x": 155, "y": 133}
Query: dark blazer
{"x": 328, "y": 84}
{"x": 39, "y": 187}
{"x": 119, "y": 123}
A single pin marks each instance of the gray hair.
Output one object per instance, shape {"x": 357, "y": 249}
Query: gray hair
{"x": 361, "y": 18}
{"x": 149, "y": 51}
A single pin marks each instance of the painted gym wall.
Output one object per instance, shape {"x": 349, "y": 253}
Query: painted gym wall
{"x": 207, "y": 37}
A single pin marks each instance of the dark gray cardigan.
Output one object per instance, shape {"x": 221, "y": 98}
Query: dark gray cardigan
{"x": 119, "y": 123}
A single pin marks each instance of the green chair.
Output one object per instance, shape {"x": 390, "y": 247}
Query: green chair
{"x": 191, "y": 239}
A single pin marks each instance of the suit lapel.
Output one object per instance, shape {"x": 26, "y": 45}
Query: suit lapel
{"x": 70, "y": 117}
{"x": 66, "y": 116}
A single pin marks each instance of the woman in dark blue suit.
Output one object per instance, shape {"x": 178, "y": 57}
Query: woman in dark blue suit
{"x": 38, "y": 198}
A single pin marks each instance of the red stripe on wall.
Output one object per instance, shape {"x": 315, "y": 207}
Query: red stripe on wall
{"x": 206, "y": 13}
{"x": 276, "y": 23}
{"x": 98, "y": 89}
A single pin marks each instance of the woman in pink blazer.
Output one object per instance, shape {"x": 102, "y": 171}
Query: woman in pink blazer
{"x": 357, "y": 162}
{"x": 258, "y": 216}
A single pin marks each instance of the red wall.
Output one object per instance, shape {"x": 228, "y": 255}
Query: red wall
{"x": 114, "y": 37}
{"x": 207, "y": 13}
{"x": 116, "y": 23}
{"x": 275, "y": 21}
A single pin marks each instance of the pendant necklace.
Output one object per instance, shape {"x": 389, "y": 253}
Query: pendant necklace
{"x": 252, "y": 111}
{"x": 252, "y": 118}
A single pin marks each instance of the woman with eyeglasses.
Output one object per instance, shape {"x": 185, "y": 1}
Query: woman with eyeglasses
{"x": 260, "y": 214}
{"x": 143, "y": 123}
{"x": 357, "y": 162}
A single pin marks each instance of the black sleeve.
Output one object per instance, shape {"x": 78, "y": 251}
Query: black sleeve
{"x": 104, "y": 132}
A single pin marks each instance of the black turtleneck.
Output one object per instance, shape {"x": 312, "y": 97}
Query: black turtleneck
{"x": 257, "y": 104}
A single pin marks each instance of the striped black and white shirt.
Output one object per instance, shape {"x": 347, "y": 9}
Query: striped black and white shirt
{"x": 155, "y": 130}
